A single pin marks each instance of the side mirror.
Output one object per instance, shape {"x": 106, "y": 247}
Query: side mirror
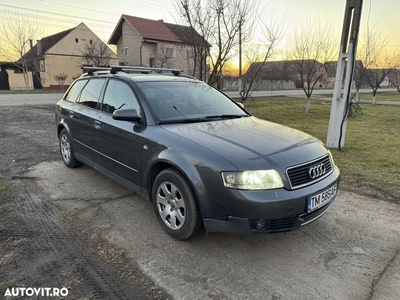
{"x": 126, "y": 115}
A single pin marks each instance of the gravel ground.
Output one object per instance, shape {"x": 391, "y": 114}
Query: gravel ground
{"x": 41, "y": 246}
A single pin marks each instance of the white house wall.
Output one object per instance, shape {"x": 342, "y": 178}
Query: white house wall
{"x": 17, "y": 82}
{"x": 66, "y": 57}
{"x": 131, "y": 41}
{"x": 133, "y": 51}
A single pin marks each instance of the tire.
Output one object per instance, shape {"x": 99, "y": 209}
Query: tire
{"x": 67, "y": 153}
{"x": 175, "y": 205}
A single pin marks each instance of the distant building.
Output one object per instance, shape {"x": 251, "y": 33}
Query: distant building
{"x": 150, "y": 43}
{"x": 11, "y": 77}
{"x": 56, "y": 60}
{"x": 331, "y": 67}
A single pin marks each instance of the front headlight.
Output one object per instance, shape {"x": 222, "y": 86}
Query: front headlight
{"x": 253, "y": 180}
{"x": 333, "y": 162}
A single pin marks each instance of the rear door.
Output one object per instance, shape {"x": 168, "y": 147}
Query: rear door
{"x": 118, "y": 144}
{"x": 81, "y": 117}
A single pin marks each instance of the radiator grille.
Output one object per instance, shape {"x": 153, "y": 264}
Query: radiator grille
{"x": 299, "y": 175}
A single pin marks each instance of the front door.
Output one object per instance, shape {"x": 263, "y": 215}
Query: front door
{"x": 118, "y": 144}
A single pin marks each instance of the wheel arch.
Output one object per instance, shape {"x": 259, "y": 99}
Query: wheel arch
{"x": 60, "y": 127}
{"x": 187, "y": 170}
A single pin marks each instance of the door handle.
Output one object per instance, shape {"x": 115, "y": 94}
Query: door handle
{"x": 97, "y": 124}
{"x": 71, "y": 114}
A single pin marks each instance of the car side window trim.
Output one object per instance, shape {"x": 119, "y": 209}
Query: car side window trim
{"x": 109, "y": 109}
{"x": 72, "y": 88}
{"x": 94, "y": 94}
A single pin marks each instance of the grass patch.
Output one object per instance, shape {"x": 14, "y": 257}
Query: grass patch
{"x": 4, "y": 286}
{"x": 370, "y": 159}
{"x": 9, "y": 207}
{"x": 381, "y": 96}
{"x": 5, "y": 190}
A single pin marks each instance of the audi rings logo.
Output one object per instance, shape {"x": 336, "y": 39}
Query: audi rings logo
{"x": 317, "y": 171}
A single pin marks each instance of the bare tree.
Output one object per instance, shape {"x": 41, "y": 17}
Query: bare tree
{"x": 163, "y": 59}
{"x": 60, "y": 78}
{"x": 96, "y": 54}
{"x": 378, "y": 60}
{"x": 257, "y": 55}
{"x": 396, "y": 74}
{"x": 219, "y": 22}
{"x": 17, "y": 31}
{"x": 310, "y": 48}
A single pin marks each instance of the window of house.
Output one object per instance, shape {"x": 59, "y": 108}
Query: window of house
{"x": 90, "y": 42}
{"x": 119, "y": 95}
{"x": 18, "y": 69}
{"x": 76, "y": 40}
{"x": 42, "y": 66}
{"x": 189, "y": 54}
{"x": 152, "y": 62}
{"x": 126, "y": 51}
{"x": 169, "y": 51}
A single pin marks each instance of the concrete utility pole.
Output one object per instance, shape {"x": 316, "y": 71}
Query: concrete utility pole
{"x": 348, "y": 48}
{"x": 240, "y": 58}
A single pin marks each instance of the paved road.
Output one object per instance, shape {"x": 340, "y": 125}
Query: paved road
{"x": 28, "y": 99}
{"x": 42, "y": 99}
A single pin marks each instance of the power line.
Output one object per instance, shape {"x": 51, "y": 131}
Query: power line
{"x": 60, "y": 20}
{"x": 76, "y": 7}
{"x": 142, "y": 4}
{"x": 60, "y": 14}
{"x": 68, "y": 18}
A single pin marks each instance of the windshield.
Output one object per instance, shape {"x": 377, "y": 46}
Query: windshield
{"x": 184, "y": 101}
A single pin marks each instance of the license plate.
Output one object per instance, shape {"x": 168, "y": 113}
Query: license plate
{"x": 316, "y": 201}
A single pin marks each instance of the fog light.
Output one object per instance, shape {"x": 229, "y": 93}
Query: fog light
{"x": 261, "y": 225}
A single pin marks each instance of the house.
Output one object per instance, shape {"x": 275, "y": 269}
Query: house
{"x": 11, "y": 77}
{"x": 394, "y": 78}
{"x": 271, "y": 75}
{"x": 151, "y": 43}
{"x": 331, "y": 67}
{"x": 286, "y": 74}
{"x": 56, "y": 60}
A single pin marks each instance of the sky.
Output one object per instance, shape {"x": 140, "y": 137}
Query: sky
{"x": 101, "y": 16}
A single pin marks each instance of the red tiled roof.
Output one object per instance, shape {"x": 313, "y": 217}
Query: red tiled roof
{"x": 151, "y": 29}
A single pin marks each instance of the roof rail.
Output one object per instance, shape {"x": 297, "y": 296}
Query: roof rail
{"x": 91, "y": 70}
{"x": 114, "y": 69}
{"x": 145, "y": 69}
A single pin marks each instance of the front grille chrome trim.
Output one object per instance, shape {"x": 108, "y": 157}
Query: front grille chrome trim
{"x": 310, "y": 182}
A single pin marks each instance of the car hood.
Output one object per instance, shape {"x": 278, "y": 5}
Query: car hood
{"x": 251, "y": 143}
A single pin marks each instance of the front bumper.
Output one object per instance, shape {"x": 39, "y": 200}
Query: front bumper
{"x": 271, "y": 212}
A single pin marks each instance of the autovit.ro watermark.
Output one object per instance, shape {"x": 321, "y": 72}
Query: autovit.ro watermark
{"x": 41, "y": 291}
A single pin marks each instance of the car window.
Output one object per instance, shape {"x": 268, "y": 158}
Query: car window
{"x": 187, "y": 100}
{"x": 91, "y": 92}
{"x": 75, "y": 90}
{"x": 119, "y": 95}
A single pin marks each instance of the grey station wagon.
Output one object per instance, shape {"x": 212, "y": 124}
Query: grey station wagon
{"x": 199, "y": 157}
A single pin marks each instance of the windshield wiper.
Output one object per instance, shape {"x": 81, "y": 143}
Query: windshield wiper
{"x": 187, "y": 120}
{"x": 202, "y": 119}
{"x": 225, "y": 116}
